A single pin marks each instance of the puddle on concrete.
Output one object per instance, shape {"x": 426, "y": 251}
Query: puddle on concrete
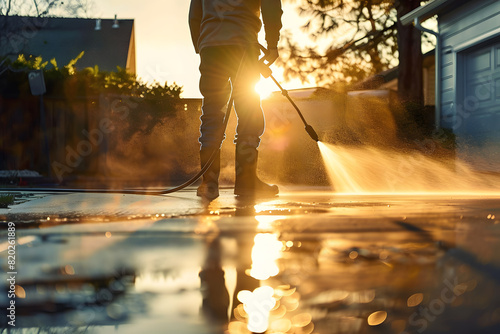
{"x": 272, "y": 268}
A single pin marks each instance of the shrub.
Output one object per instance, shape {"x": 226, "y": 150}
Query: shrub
{"x": 6, "y": 200}
{"x": 70, "y": 82}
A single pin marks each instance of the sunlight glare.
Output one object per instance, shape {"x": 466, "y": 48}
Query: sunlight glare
{"x": 265, "y": 252}
{"x": 265, "y": 87}
{"x": 266, "y": 222}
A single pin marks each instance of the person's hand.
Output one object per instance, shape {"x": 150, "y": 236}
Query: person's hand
{"x": 271, "y": 56}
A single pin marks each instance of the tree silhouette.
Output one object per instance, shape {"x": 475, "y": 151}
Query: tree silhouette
{"x": 362, "y": 38}
{"x": 42, "y": 8}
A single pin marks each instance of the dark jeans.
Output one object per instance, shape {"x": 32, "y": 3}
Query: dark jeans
{"x": 218, "y": 68}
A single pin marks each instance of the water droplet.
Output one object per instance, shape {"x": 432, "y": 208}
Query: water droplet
{"x": 302, "y": 319}
{"x": 281, "y": 325}
{"x": 415, "y": 299}
{"x": 383, "y": 255}
{"x": 69, "y": 270}
{"x": 376, "y": 318}
{"x": 115, "y": 311}
{"x": 19, "y": 291}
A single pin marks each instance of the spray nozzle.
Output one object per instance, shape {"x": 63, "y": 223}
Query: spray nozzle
{"x": 312, "y": 133}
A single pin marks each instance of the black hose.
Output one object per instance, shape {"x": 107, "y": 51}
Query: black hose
{"x": 266, "y": 72}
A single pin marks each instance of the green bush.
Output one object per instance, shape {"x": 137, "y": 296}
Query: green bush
{"x": 6, "y": 200}
{"x": 153, "y": 103}
{"x": 69, "y": 82}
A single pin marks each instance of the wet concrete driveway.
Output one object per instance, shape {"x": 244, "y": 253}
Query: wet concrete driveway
{"x": 304, "y": 262}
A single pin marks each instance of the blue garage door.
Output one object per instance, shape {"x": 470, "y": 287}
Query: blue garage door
{"x": 480, "y": 103}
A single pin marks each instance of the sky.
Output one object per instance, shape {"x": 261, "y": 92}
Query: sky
{"x": 163, "y": 42}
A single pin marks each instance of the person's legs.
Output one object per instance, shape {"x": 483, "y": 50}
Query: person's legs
{"x": 249, "y": 129}
{"x": 215, "y": 88}
{"x": 218, "y": 64}
{"x": 247, "y": 182}
{"x": 247, "y": 101}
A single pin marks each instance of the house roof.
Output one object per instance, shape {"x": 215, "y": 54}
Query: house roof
{"x": 377, "y": 80}
{"x": 430, "y": 9}
{"x": 65, "y": 38}
{"x": 380, "y": 79}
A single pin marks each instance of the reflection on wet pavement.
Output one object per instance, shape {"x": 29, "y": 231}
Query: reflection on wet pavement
{"x": 300, "y": 263}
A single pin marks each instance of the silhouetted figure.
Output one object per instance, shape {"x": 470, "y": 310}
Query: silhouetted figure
{"x": 215, "y": 303}
{"x": 224, "y": 33}
{"x": 216, "y": 299}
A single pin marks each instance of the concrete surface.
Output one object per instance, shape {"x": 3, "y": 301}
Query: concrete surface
{"x": 308, "y": 261}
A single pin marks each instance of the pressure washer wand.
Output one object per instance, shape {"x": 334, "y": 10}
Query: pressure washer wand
{"x": 268, "y": 73}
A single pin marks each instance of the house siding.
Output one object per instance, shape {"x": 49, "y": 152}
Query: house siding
{"x": 457, "y": 28}
{"x": 470, "y": 78}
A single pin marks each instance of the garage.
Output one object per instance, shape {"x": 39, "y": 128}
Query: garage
{"x": 478, "y": 106}
{"x": 467, "y": 75}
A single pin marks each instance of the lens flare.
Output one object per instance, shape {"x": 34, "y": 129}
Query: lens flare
{"x": 265, "y": 88}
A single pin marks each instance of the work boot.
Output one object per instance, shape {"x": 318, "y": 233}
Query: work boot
{"x": 209, "y": 187}
{"x": 247, "y": 182}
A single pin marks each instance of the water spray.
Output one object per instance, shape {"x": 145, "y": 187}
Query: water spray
{"x": 268, "y": 73}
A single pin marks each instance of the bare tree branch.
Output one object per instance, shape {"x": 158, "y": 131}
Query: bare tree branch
{"x": 36, "y": 6}
{"x": 41, "y": 8}
{"x": 8, "y": 8}
{"x": 361, "y": 37}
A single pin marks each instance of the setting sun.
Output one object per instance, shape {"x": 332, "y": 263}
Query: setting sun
{"x": 265, "y": 87}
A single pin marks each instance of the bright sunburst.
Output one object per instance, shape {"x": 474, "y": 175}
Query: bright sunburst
{"x": 265, "y": 87}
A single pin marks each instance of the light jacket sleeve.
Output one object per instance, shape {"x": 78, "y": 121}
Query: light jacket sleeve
{"x": 271, "y": 17}
{"x": 195, "y": 16}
